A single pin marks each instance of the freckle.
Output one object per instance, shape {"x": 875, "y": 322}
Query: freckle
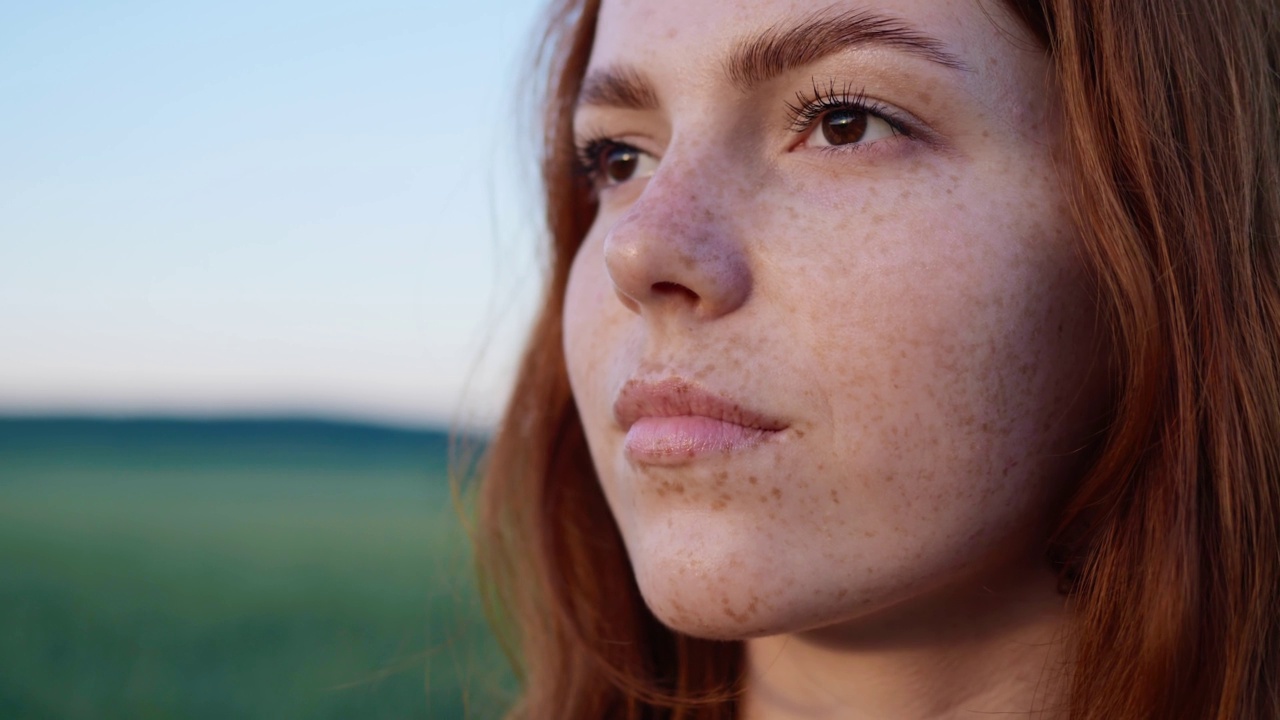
{"x": 764, "y": 499}
{"x": 753, "y": 480}
{"x": 799, "y": 433}
{"x": 777, "y": 494}
{"x": 869, "y": 533}
{"x": 835, "y": 497}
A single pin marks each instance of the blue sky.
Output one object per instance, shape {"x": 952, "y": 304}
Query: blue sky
{"x": 279, "y": 206}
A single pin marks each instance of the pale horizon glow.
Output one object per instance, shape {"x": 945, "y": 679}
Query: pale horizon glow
{"x": 290, "y": 208}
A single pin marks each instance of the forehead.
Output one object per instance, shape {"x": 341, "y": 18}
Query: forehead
{"x": 689, "y": 42}
{"x": 710, "y": 25}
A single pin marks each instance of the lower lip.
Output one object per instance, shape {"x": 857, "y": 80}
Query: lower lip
{"x": 675, "y": 440}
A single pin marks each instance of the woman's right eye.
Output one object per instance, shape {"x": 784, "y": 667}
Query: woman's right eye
{"x": 610, "y": 163}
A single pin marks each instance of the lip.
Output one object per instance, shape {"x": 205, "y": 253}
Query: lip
{"x": 672, "y": 421}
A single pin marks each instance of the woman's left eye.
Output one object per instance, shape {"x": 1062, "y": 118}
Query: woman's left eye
{"x": 835, "y": 117}
{"x": 849, "y": 126}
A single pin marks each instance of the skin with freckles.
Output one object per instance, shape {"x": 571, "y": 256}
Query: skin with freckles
{"x": 903, "y": 301}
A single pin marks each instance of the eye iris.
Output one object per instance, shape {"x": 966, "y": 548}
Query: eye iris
{"x": 620, "y": 164}
{"x": 841, "y": 127}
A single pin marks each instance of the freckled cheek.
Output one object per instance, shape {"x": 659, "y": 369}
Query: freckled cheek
{"x": 941, "y": 304}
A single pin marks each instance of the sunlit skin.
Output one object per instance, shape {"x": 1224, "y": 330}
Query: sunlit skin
{"x": 909, "y": 309}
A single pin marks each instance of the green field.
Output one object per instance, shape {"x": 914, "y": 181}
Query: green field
{"x": 255, "y": 569}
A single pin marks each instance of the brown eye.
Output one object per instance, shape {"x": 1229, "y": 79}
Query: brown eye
{"x": 848, "y": 127}
{"x": 843, "y": 127}
{"x": 619, "y": 163}
{"x": 609, "y": 162}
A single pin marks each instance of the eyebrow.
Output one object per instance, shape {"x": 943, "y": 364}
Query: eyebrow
{"x": 620, "y": 87}
{"x": 777, "y": 50}
{"x": 780, "y": 49}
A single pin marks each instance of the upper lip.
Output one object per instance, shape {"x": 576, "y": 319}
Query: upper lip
{"x": 677, "y": 397}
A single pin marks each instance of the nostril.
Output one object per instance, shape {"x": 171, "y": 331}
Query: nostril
{"x": 663, "y": 289}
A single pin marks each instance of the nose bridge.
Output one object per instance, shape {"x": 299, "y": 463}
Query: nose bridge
{"x": 679, "y": 247}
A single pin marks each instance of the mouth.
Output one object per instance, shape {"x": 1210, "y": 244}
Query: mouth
{"x": 673, "y": 421}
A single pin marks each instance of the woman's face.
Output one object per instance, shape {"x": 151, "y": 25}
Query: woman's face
{"x": 830, "y": 334}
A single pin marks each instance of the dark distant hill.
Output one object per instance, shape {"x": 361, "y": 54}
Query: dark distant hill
{"x": 228, "y": 441}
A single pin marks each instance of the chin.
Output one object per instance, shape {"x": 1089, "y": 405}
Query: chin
{"x": 730, "y": 610}
{"x": 721, "y": 577}
{"x": 715, "y": 581}
{"x": 694, "y": 612}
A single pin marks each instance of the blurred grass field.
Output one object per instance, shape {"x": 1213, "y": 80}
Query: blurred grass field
{"x": 252, "y": 569}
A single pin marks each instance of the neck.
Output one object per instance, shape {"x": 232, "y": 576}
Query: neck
{"x": 982, "y": 650}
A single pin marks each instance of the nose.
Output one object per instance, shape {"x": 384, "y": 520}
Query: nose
{"x": 676, "y": 251}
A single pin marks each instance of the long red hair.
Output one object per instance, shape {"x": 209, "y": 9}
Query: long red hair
{"x": 1170, "y": 545}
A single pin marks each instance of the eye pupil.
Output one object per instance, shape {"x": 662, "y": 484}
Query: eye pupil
{"x": 620, "y": 164}
{"x": 841, "y": 127}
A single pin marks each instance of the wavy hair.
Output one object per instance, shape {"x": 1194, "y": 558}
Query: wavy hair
{"x": 1170, "y": 543}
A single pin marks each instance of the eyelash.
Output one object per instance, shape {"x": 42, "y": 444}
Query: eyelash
{"x": 807, "y": 110}
{"x": 590, "y": 152}
{"x": 810, "y": 107}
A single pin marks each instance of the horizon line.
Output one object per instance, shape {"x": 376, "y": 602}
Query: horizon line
{"x": 232, "y": 416}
